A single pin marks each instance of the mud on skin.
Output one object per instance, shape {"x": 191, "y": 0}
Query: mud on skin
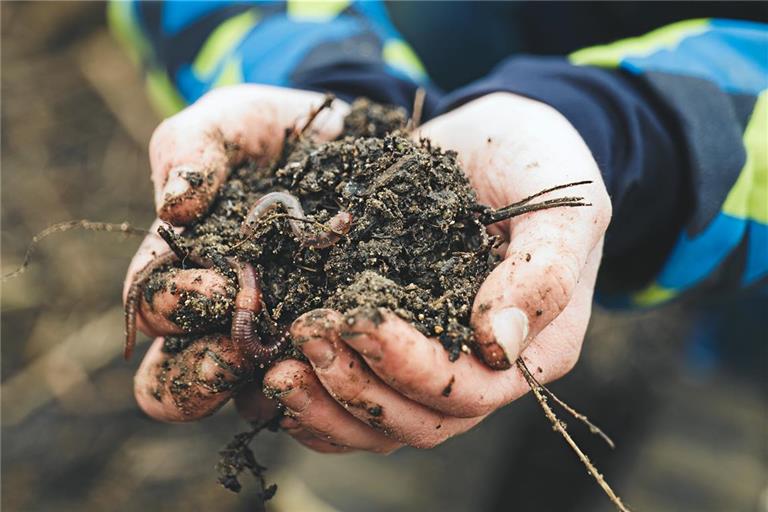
{"x": 415, "y": 245}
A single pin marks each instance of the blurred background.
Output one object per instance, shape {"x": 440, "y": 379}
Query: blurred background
{"x": 690, "y": 418}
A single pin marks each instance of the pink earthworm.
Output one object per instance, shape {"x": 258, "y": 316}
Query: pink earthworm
{"x": 133, "y": 296}
{"x": 338, "y": 226}
{"x": 248, "y": 304}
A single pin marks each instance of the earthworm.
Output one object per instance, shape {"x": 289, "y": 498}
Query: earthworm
{"x": 248, "y": 304}
{"x": 337, "y": 227}
{"x": 133, "y": 296}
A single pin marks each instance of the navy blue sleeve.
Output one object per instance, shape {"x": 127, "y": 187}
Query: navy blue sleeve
{"x": 676, "y": 121}
{"x": 633, "y": 145}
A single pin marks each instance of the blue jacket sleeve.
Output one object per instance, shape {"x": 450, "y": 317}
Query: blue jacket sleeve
{"x": 676, "y": 121}
{"x": 346, "y": 47}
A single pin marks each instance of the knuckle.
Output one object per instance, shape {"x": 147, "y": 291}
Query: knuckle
{"x": 559, "y": 279}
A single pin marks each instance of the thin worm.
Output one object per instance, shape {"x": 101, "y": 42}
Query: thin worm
{"x": 133, "y": 296}
{"x": 338, "y": 226}
{"x": 137, "y": 286}
{"x": 248, "y": 304}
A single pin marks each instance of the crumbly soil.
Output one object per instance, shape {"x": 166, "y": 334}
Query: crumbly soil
{"x": 416, "y": 246}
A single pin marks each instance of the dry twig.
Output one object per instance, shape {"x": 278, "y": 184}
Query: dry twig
{"x": 560, "y": 427}
{"x": 418, "y": 108}
{"x": 69, "y": 225}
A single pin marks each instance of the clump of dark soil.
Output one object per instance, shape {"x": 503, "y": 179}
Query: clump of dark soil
{"x": 416, "y": 245}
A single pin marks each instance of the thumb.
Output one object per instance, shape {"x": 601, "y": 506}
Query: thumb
{"x": 192, "y": 152}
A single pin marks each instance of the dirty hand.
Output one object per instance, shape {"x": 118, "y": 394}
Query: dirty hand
{"x": 190, "y": 155}
{"x": 375, "y": 383}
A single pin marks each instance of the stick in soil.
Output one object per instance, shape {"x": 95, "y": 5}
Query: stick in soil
{"x": 560, "y": 427}
{"x": 522, "y": 207}
{"x": 418, "y": 108}
{"x": 327, "y": 101}
{"x": 70, "y": 225}
{"x": 172, "y": 240}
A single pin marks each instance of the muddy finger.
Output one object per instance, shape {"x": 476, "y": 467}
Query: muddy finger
{"x": 151, "y": 248}
{"x": 349, "y": 381}
{"x": 187, "y": 301}
{"x": 188, "y": 382}
{"x": 310, "y": 440}
{"x": 308, "y": 405}
{"x": 419, "y": 368}
{"x": 192, "y": 152}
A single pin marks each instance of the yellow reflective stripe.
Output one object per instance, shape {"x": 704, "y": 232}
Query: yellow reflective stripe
{"x": 222, "y": 41}
{"x": 315, "y": 10}
{"x": 612, "y": 54}
{"x": 653, "y": 295}
{"x": 400, "y": 56}
{"x": 231, "y": 73}
{"x": 126, "y": 30}
{"x": 162, "y": 94}
{"x": 749, "y": 196}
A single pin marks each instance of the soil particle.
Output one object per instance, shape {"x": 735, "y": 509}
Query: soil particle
{"x": 194, "y": 178}
{"x": 449, "y": 387}
{"x": 199, "y": 313}
{"x": 175, "y": 344}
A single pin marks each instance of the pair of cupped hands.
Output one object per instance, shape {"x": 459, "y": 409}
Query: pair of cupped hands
{"x": 379, "y": 384}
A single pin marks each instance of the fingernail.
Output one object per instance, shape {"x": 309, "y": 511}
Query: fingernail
{"x": 363, "y": 344}
{"x": 319, "y": 352}
{"x": 295, "y": 399}
{"x": 178, "y": 182}
{"x": 510, "y": 328}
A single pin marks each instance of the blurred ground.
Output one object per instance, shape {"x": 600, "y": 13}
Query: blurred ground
{"x": 690, "y": 426}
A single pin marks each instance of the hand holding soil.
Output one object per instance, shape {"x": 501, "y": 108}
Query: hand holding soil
{"x": 374, "y": 378}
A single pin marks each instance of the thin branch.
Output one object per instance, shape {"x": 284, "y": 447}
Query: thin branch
{"x": 560, "y": 427}
{"x": 521, "y": 207}
{"x": 551, "y": 189}
{"x": 513, "y": 210}
{"x": 170, "y": 238}
{"x": 70, "y": 225}
{"x": 594, "y": 429}
{"x": 418, "y": 108}
{"x": 327, "y": 101}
